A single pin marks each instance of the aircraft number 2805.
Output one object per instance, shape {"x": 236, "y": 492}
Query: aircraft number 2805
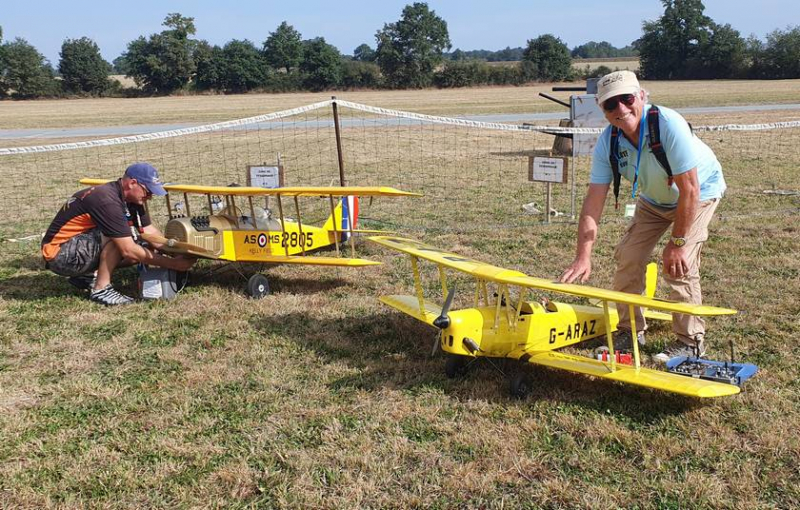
{"x": 286, "y": 239}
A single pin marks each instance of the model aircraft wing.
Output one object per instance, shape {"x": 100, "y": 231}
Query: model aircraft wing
{"x": 308, "y": 261}
{"x": 646, "y": 377}
{"x": 511, "y": 277}
{"x": 299, "y": 191}
{"x": 409, "y": 305}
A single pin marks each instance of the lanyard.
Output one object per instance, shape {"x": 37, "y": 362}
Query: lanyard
{"x": 638, "y": 154}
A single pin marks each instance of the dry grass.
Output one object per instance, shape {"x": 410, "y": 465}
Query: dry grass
{"x": 487, "y": 100}
{"x": 319, "y": 397}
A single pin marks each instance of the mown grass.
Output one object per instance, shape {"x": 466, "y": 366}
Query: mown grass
{"x": 319, "y": 397}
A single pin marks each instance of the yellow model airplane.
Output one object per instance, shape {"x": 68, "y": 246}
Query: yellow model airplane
{"x": 226, "y": 231}
{"x": 500, "y": 326}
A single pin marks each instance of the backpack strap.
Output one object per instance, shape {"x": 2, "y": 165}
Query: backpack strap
{"x": 655, "y": 142}
{"x": 613, "y": 158}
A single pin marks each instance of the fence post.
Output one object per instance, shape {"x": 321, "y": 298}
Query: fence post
{"x": 338, "y": 141}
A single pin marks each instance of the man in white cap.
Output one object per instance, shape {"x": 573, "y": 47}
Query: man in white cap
{"x": 680, "y": 183}
{"x": 97, "y": 231}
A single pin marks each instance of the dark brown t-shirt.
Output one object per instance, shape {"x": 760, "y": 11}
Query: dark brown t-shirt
{"x": 99, "y": 206}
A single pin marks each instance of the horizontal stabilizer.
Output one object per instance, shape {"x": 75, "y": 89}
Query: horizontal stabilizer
{"x": 409, "y": 305}
{"x": 646, "y": 377}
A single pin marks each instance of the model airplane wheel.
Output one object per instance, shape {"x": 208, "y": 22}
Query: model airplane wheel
{"x": 257, "y": 286}
{"x": 454, "y": 366}
{"x": 520, "y": 386}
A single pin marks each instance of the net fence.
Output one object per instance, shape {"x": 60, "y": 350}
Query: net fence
{"x": 474, "y": 175}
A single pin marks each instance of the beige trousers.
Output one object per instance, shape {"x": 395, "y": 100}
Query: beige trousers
{"x": 634, "y": 251}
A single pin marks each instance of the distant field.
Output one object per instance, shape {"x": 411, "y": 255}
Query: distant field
{"x": 630, "y": 64}
{"x": 452, "y": 102}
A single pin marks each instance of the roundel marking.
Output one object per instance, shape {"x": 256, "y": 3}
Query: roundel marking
{"x": 262, "y": 240}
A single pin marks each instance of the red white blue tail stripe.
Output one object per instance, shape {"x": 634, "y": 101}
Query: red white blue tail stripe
{"x": 349, "y": 209}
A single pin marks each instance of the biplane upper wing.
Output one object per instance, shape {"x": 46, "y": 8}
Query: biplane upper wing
{"x": 647, "y": 377}
{"x": 296, "y": 191}
{"x": 511, "y": 277}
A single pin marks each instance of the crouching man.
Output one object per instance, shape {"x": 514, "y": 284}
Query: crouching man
{"x": 98, "y": 230}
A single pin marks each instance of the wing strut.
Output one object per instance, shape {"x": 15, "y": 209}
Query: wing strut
{"x": 336, "y": 237}
{"x": 443, "y": 280}
{"x": 418, "y": 285}
{"x": 609, "y": 336}
{"x": 634, "y": 339}
{"x": 283, "y": 226}
{"x": 300, "y": 236}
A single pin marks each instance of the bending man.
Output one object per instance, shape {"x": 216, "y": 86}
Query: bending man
{"x": 98, "y": 230}
{"x": 679, "y": 193}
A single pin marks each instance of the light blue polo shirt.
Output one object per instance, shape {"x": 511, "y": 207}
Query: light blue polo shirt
{"x": 684, "y": 152}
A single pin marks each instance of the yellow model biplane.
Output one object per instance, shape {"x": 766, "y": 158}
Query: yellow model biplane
{"x": 503, "y": 327}
{"x": 247, "y": 232}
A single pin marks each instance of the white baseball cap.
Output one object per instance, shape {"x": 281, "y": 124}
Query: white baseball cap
{"x": 616, "y": 84}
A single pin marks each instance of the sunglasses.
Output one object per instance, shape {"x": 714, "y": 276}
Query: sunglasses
{"x": 611, "y": 104}
{"x": 147, "y": 192}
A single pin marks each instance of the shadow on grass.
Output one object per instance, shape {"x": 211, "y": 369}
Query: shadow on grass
{"x": 393, "y": 351}
{"x": 233, "y": 278}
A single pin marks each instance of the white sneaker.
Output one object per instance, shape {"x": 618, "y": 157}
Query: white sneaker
{"x": 109, "y": 297}
{"x": 678, "y": 348}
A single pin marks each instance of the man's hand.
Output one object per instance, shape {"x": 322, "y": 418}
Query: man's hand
{"x": 579, "y": 269}
{"x": 675, "y": 263}
{"x": 180, "y": 263}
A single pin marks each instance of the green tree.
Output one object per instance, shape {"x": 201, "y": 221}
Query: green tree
{"x": 360, "y": 75}
{"x": 685, "y": 43}
{"x": 209, "y": 65}
{"x": 410, "y": 49}
{"x": 82, "y": 68}
{"x": 164, "y": 62}
{"x": 364, "y": 53}
{"x": 781, "y": 56}
{"x": 602, "y": 49}
{"x": 242, "y": 66}
{"x": 672, "y": 42}
{"x": 546, "y": 58}
{"x": 283, "y": 49}
{"x": 24, "y": 72}
{"x": 321, "y": 67}
{"x": 723, "y": 55}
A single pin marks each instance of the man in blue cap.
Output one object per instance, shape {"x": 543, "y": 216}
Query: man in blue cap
{"x": 98, "y": 230}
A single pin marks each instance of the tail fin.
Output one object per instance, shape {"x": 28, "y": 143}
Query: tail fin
{"x": 347, "y": 208}
{"x": 651, "y": 279}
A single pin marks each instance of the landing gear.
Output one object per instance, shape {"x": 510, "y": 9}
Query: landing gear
{"x": 257, "y": 286}
{"x": 520, "y": 385}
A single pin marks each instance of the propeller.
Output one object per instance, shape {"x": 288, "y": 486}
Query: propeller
{"x": 443, "y": 320}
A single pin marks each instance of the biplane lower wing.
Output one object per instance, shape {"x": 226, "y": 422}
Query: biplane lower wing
{"x": 409, "y": 305}
{"x": 646, "y": 377}
{"x": 510, "y": 277}
{"x": 308, "y": 261}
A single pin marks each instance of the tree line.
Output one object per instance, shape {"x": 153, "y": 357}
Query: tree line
{"x": 413, "y": 52}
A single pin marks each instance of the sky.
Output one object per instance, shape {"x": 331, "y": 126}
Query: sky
{"x": 472, "y": 24}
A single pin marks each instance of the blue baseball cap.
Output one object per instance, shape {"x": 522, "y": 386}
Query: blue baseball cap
{"x": 147, "y": 175}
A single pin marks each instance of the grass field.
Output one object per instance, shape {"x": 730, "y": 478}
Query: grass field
{"x": 319, "y": 397}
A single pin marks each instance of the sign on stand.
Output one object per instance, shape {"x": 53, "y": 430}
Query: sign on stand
{"x": 265, "y": 176}
{"x": 548, "y": 170}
